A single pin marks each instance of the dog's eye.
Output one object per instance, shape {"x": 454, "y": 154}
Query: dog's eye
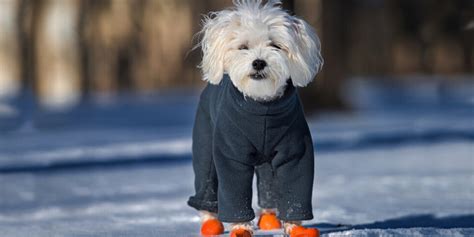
{"x": 243, "y": 47}
{"x": 276, "y": 46}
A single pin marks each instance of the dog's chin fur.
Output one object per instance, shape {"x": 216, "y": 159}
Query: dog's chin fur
{"x": 234, "y": 38}
{"x": 275, "y": 74}
{"x": 260, "y": 90}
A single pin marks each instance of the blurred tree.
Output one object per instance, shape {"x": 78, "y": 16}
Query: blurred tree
{"x": 107, "y": 31}
{"x": 10, "y": 65}
{"x": 322, "y": 93}
{"x": 162, "y": 46}
{"x": 57, "y": 55}
{"x": 66, "y": 48}
{"x": 326, "y": 92}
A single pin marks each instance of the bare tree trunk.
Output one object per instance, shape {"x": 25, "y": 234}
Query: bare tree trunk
{"x": 10, "y": 65}
{"x": 369, "y": 39}
{"x": 26, "y": 18}
{"x": 107, "y": 32}
{"x": 57, "y": 54}
{"x": 327, "y": 17}
{"x": 163, "y": 43}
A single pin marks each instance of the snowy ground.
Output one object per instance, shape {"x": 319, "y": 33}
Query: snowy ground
{"x": 379, "y": 171}
{"x": 411, "y": 186}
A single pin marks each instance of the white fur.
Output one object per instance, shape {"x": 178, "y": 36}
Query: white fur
{"x": 289, "y": 225}
{"x": 205, "y": 216}
{"x": 244, "y": 225}
{"x": 258, "y": 26}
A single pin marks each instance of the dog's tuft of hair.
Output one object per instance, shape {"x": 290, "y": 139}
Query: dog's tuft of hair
{"x": 260, "y": 46}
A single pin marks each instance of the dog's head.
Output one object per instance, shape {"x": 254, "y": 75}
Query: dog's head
{"x": 260, "y": 46}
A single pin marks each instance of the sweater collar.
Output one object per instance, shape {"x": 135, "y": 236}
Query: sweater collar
{"x": 284, "y": 103}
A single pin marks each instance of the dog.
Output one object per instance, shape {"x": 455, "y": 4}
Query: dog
{"x": 250, "y": 120}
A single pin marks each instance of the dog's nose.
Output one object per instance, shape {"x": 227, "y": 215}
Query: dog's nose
{"x": 259, "y": 64}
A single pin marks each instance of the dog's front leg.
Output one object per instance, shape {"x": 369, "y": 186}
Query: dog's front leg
{"x": 235, "y": 166}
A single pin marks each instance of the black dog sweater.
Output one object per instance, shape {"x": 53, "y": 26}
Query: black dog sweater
{"x": 234, "y": 137}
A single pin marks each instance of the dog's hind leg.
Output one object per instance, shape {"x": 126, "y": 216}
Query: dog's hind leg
{"x": 265, "y": 186}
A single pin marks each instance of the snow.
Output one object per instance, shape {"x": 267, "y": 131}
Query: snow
{"x": 354, "y": 188}
{"x": 102, "y": 153}
{"x": 366, "y": 186}
{"x": 103, "y": 172}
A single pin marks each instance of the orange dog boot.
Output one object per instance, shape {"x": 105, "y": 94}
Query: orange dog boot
{"x": 240, "y": 232}
{"x": 269, "y": 221}
{"x": 212, "y": 227}
{"x": 300, "y": 231}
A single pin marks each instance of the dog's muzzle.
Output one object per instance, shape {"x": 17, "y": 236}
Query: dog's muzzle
{"x": 258, "y": 76}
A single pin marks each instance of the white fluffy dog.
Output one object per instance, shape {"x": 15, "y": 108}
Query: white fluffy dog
{"x": 260, "y": 47}
{"x": 254, "y": 122}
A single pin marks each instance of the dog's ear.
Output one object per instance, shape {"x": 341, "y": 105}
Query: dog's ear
{"x": 305, "y": 58}
{"x": 213, "y": 46}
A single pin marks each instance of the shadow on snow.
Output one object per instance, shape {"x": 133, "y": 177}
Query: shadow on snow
{"x": 412, "y": 221}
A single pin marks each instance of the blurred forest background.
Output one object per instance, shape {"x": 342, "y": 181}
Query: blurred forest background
{"x": 68, "y": 51}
